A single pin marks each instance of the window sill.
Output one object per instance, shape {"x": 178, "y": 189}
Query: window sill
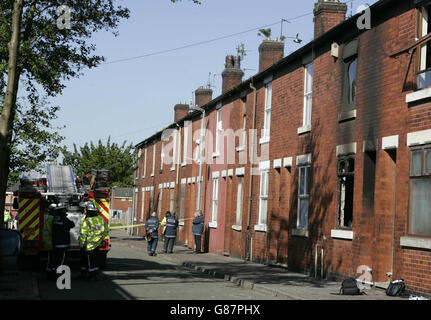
{"x": 264, "y": 140}
{"x": 152, "y": 175}
{"x": 183, "y": 164}
{"x": 299, "y": 233}
{"x": 347, "y": 115}
{"x": 416, "y": 242}
{"x": 173, "y": 169}
{"x": 260, "y": 227}
{"x": 212, "y": 224}
{"x": 342, "y": 234}
{"x": 239, "y": 149}
{"x": 304, "y": 129}
{"x": 418, "y": 95}
{"x": 216, "y": 155}
{"x": 237, "y": 227}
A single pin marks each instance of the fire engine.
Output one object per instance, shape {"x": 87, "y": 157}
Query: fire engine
{"x": 36, "y": 193}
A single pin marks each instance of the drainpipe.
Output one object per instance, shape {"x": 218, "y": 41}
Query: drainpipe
{"x": 248, "y": 243}
{"x": 393, "y": 213}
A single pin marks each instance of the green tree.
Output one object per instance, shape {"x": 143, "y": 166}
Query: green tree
{"x": 36, "y": 51}
{"x": 35, "y": 141}
{"x": 118, "y": 159}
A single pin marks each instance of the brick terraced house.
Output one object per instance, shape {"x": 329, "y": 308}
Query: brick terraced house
{"x": 320, "y": 162}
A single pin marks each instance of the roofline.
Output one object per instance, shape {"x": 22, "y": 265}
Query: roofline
{"x": 318, "y": 42}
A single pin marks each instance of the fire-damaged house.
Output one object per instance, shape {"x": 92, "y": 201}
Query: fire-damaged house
{"x": 320, "y": 162}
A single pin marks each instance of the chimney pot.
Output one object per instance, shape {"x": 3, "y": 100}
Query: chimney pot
{"x": 328, "y": 14}
{"x": 203, "y": 96}
{"x": 270, "y": 52}
{"x": 232, "y": 74}
{"x": 181, "y": 110}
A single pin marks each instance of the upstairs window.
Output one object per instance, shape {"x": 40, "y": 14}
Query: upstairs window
{"x": 350, "y": 66}
{"x": 308, "y": 94}
{"x": 267, "y": 114}
{"x": 424, "y": 49}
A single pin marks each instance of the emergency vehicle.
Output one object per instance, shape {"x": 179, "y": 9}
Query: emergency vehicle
{"x": 36, "y": 193}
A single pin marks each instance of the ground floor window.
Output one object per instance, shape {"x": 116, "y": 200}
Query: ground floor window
{"x": 303, "y": 197}
{"x": 420, "y": 191}
{"x": 346, "y": 179}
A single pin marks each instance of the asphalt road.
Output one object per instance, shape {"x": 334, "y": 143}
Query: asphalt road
{"x": 133, "y": 275}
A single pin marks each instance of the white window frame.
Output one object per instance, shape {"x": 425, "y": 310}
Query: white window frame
{"x": 266, "y": 132}
{"x": 171, "y": 200}
{"x": 263, "y": 197}
{"x": 174, "y": 151}
{"x": 305, "y": 196}
{"x": 145, "y": 163}
{"x": 239, "y": 200}
{"x": 243, "y": 141}
{"x": 162, "y": 155}
{"x": 154, "y": 161}
{"x": 308, "y": 95}
{"x": 187, "y": 127}
{"x": 143, "y": 204}
{"x": 214, "y": 209}
{"x": 219, "y": 131}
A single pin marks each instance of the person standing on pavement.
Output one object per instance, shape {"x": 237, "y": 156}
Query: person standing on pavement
{"x": 7, "y": 218}
{"x": 170, "y": 232}
{"x": 198, "y": 229}
{"x": 152, "y": 228}
{"x": 93, "y": 230}
{"x": 47, "y": 237}
{"x": 61, "y": 226}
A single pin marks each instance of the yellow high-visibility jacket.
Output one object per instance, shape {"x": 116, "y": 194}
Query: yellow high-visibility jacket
{"x": 93, "y": 230}
{"x": 47, "y": 233}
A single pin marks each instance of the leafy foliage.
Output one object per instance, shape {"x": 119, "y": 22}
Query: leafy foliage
{"x": 118, "y": 159}
{"x": 35, "y": 141}
{"x": 265, "y": 33}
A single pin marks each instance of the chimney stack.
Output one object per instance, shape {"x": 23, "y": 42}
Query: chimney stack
{"x": 203, "y": 96}
{"x": 232, "y": 74}
{"x": 328, "y": 14}
{"x": 181, "y": 110}
{"x": 270, "y": 52}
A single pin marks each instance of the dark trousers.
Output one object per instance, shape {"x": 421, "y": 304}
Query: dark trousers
{"x": 56, "y": 258}
{"x": 169, "y": 244}
{"x": 197, "y": 243}
{"x": 89, "y": 262}
{"x": 152, "y": 245}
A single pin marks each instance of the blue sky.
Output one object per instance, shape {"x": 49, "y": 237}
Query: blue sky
{"x": 131, "y": 100}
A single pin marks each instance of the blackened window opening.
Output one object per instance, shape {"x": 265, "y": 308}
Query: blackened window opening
{"x": 346, "y": 179}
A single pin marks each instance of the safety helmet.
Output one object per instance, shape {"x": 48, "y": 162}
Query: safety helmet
{"x": 60, "y": 208}
{"x": 90, "y": 207}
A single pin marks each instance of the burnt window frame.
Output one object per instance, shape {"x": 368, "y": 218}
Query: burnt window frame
{"x": 423, "y": 175}
{"x": 350, "y": 174}
{"x": 350, "y": 54}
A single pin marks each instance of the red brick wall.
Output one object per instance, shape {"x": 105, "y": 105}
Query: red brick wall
{"x": 381, "y": 111}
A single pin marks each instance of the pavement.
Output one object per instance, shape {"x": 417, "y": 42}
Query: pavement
{"x": 16, "y": 284}
{"x": 275, "y": 281}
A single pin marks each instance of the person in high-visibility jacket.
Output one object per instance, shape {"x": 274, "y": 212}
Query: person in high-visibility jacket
{"x": 7, "y": 218}
{"x": 93, "y": 230}
{"x": 47, "y": 236}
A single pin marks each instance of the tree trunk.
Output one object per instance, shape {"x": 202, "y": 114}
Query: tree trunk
{"x": 9, "y": 106}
